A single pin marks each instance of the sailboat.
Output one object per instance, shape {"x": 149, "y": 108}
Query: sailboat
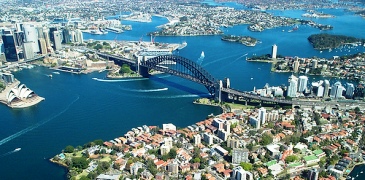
{"x": 202, "y": 55}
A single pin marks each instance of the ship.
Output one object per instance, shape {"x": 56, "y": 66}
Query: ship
{"x": 182, "y": 45}
{"x": 17, "y": 149}
{"x": 95, "y": 32}
{"x": 202, "y": 55}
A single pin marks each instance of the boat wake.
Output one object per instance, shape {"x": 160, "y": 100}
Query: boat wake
{"x": 30, "y": 128}
{"x": 145, "y": 90}
{"x": 118, "y": 80}
{"x": 10, "y": 152}
{"x": 181, "y": 96}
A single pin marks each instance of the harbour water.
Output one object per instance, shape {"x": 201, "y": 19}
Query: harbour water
{"x": 79, "y": 108}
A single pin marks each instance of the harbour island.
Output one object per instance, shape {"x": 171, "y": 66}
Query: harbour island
{"x": 245, "y": 40}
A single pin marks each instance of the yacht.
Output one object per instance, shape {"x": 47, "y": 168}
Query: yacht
{"x": 17, "y": 149}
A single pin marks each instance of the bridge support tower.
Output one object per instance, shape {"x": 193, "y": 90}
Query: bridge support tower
{"x": 223, "y": 96}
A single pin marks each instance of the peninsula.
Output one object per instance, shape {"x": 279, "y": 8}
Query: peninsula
{"x": 246, "y": 40}
{"x": 329, "y": 41}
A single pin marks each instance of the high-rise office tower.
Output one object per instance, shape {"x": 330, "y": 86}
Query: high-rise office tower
{"x": 66, "y": 36}
{"x": 296, "y": 66}
{"x": 79, "y": 36}
{"x": 336, "y": 90}
{"x": 274, "y": 51}
{"x": 10, "y": 49}
{"x": 42, "y": 46}
{"x": 303, "y": 80}
{"x": 57, "y": 36}
{"x": 28, "y": 50}
{"x": 31, "y": 36}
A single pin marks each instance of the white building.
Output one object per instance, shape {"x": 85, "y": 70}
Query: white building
{"x": 197, "y": 139}
{"x": 208, "y": 138}
{"x": 326, "y": 88}
{"x": 274, "y": 51}
{"x": 255, "y": 122}
{"x": 293, "y": 86}
{"x": 350, "y": 90}
{"x": 31, "y": 36}
{"x": 168, "y": 127}
{"x": 262, "y": 115}
{"x": 57, "y": 35}
{"x": 336, "y": 90}
{"x": 168, "y": 142}
{"x": 28, "y": 50}
{"x": 240, "y": 174}
{"x": 303, "y": 80}
{"x": 79, "y": 38}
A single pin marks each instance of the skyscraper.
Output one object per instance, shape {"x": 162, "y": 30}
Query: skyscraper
{"x": 10, "y": 48}
{"x": 350, "y": 90}
{"x": 296, "y": 66}
{"x": 326, "y": 88}
{"x": 293, "y": 86}
{"x": 28, "y": 50}
{"x": 66, "y": 36}
{"x": 31, "y": 36}
{"x": 262, "y": 115}
{"x": 57, "y": 36}
{"x": 274, "y": 51}
{"x": 314, "y": 64}
{"x": 303, "y": 80}
{"x": 78, "y": 36}
{"x": 336, "y": 90}
{"x": 42, "y": 46}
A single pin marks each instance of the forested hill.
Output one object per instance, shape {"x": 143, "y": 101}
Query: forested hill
{"x": 328, "y": 41}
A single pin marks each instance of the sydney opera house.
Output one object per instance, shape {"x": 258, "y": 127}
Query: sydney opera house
{"x": 19, "y": 96}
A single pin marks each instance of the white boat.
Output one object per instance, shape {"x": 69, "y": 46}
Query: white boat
{"x": 182, "y": 45}
{"x": 362, "y": 172}
{"x": 56, "y": 73}
{"x": 17, "y": 149}
{"x": 202, "y": 55}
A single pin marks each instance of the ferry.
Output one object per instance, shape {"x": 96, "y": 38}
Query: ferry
{"x": 17, "y": 149}
{"x": 183, "y": 45}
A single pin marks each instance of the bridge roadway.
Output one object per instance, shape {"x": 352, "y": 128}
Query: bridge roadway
{"x": 130, "y": 61}
{"x": 22, "y": 62}
{"x": 257, "y": 97}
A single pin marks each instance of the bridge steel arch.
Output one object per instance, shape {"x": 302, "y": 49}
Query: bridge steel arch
{"x": 184, "y": 68}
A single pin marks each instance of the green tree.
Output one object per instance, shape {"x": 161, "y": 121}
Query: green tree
{"x": 69, "y": 149}
{"x": 357, "y": 110}
{"x": 291, "y": 158}
{"x": 98, "y": 47}
{"x": 80, "y": 162}
{"x": 266, "y": 139}
{"x": 246, "y": 166}
{"x": 172, "y": 153}
{"x": 125, "y": 69}
{"x": 98, "y": 142}
{"x": 197, "y": 160}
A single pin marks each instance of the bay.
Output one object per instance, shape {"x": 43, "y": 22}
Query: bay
{"x": 79, "y": 109}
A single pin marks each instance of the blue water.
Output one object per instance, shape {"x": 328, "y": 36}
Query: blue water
{"x": 79, "y": 109}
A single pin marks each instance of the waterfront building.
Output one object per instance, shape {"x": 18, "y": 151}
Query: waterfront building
{"x": 79, "y": 38}
{"x": 57, "y": 37}
{"x": 337, "y": 90}
{"x": 359, "y": 92}
{"x": 274, "y": 51}
{"x": 255, "y": 122}
{"x": 10, "y": 48}
{"x": 326, "y": 88}
{"x": 197, "y": 139}
{"x": 28, "y": 50}
{"x": 240, "y": 155}
{"x": 303, "y": 81}
{"x": 240, "y": 174}
{"x": 7, "y": 78}
{"x": 350, "y": 90}
{"x": 262, "y": 115}
{"x": 66, "y": 35}
{"x": 31, "y": 36}
{"x": 42, "y": 45}
{"x": 296, "y": 66}
{"x": 320, "y": 91}
{"x": 293, "y": 86}
{"x": 314, "y": 64}
{"x": 168, "y": 127}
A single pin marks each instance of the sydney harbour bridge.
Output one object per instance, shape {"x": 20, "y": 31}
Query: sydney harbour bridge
{"x": 188, "y": 69}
